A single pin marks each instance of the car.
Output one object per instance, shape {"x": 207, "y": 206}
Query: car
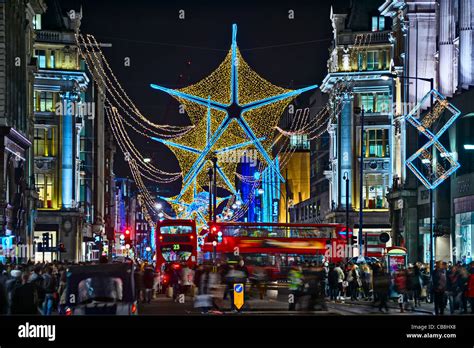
{"x": 102, "y": 289}
{"x": 364, "y": 259}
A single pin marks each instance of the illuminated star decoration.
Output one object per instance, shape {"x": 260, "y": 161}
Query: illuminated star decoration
{"x": 233, "y": 108}
{"x": 197, "y": 209}
{"x": 424, "y": 154}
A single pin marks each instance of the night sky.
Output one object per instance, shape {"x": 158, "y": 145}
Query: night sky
{"x": 161, "y": 47}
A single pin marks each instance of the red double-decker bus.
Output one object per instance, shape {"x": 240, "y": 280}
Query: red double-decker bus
{"x": 176, "y": 243}
{"x": 275, "y": 246}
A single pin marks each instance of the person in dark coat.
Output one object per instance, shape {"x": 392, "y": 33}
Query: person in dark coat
{"x": 382, "y": 283}
{"x": 470, "y": 287}
{"x": 25, "y": 297}
{"x": 148, "y": 280}
{"x": 439, "y": 287}
{"x": 333, "y": 280}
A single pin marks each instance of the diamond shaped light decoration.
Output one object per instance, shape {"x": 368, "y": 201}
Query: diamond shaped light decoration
{"x": 432, "y": 163}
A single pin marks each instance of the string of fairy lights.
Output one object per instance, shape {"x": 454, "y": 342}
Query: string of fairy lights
{"x": 93, "y": 56}
{"x": 262, "y": 121}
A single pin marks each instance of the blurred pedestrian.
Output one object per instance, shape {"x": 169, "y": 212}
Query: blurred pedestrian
{"x": 381, "y": 286}
{"x": 333, "y": 282}
{"x": 49, "y": 287}
{"x": 25, "y": 297}
{"x": 62, "y": 293}
{"x": 470, "y": 286}
{"x": 148, "y": 281}
{"x": 295, "y": 278}
{"x": 439, "y": 287}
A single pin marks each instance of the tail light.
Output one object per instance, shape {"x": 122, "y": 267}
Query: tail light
{"x": 68, "y": 311}
{"x": 134, "y": 308}
{"x": 192, "y": 237}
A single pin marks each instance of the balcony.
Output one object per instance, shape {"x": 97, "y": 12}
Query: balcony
{"x": 369, "y": 38}
{"x": 55, "y": 37}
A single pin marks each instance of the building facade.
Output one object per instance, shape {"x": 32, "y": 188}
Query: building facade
{"x": 360, "y": 55}
{"x": 17, "y": 65}
{"x": 434, "y": 39}
{"x": 68, "y": 142}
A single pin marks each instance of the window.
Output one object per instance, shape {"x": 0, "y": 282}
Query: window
{"x": 41, "y": 56}
{"x": 374, "y": 191}
{"x": 299, "y": 141}
{"x": 372, "y": 60}
{"x": 45, "y": 142}
{"x": 376, "y": 143}
{"x": 39, "y": 141}
{"x": 44, "y": 186}
{"x": 464, "y": 237}
{"x": 51, "y": 62}
{"x": 45, "y": 101}
{"x": 367, "y": 102}
{"x": 382, "y": 102}
{"x": 378, "y": 23}
{"x": 37, "y": 22}
{"x": 360, "y": 61}
{"x": 176, "y": 230}
{"x": 375, "y": 102}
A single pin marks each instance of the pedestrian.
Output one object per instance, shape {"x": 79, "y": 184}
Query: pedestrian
{"x": 333, "y": 282}
{"x": 139, "y": 285}
{"x": 148, "y": 280}
{"x": 36, "y": 278}
{"x": 413, "y": 286}
{"x": 175, "y": 282}
{"x": 470, "y": 286}
{"x": 25, "y": 297}
{"x": 49, "y": 287}
{"x": 452, "y": 290}
{"x": 366, "y": 277}
{"x": 62, "y": 293}
{"x": 355, "y": 283}
{"x": 295, "y": 278}
{"x": 381, "y": 286}
{"x": 340, "y": 282}
{"x": 439, "y": 286}
{"x": 12, "y": 284}
{"x": 400, "y": 283}
{"x": 187, "y": 281}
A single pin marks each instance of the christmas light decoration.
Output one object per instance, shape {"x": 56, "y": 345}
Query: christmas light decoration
{"x": 231, "y": 104}
{"x": 436, "y": 171}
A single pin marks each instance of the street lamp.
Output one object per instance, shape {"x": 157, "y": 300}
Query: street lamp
{"x": 431, "y": 81}
{"x": 147, "y": 160}
{"x": 361, "y": 178}
{"x": 346, "y": 178}
{"x": 158, "y": 206}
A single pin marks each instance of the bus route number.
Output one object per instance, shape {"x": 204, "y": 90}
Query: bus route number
{"x": 175, "y": 246}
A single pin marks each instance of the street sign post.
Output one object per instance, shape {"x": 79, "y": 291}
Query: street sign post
{"x": 238, "y": 295}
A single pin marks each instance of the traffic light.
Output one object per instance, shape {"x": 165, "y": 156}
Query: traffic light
{"x": 127, "y": 237}
{"x": 61, "y": 248}
{"x": 354, "y": 240}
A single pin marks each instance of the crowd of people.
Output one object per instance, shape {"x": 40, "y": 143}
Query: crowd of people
{"x": 39, "y": 288}
{"x": 33, "y": 288}
{"x": 450, "y": 286}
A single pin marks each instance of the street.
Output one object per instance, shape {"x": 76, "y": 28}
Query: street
{"x": 163, "y": 305}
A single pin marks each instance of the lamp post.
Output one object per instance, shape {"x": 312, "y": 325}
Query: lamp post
{"x": 210, "y": 173}
{"x": 361, "y": 179}
{"x": 214, "y": 190}
{"x": 346, "y": 178}
{"x": 431, "y": 81}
